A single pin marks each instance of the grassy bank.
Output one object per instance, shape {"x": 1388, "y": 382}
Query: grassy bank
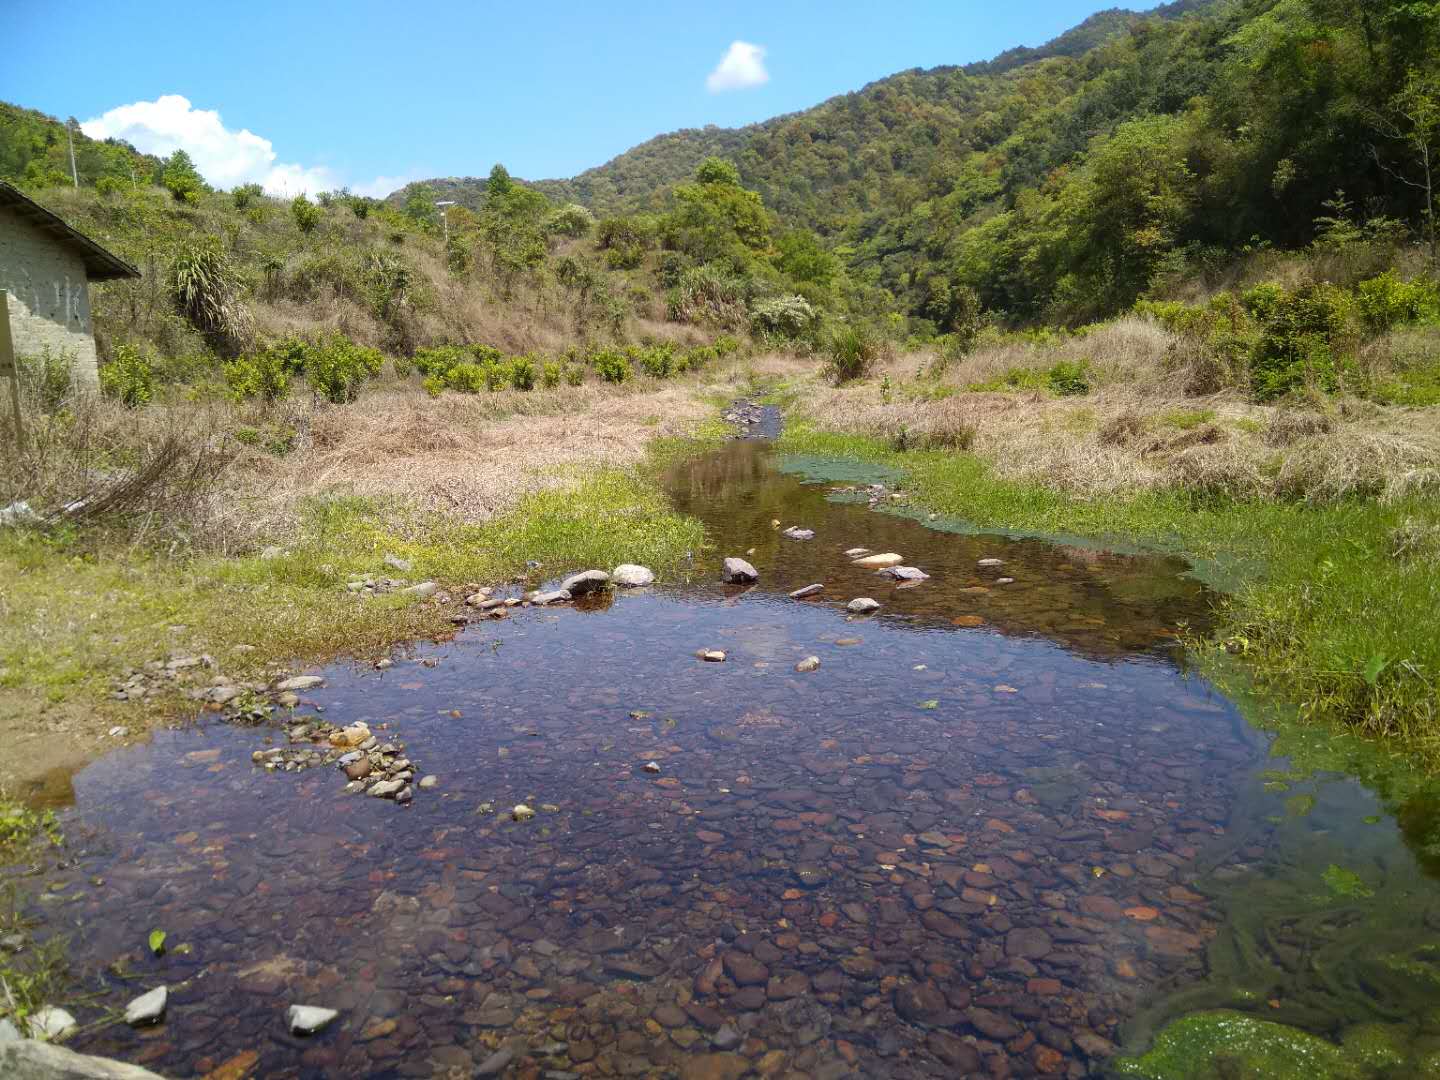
{"x": 1332, "y": 605}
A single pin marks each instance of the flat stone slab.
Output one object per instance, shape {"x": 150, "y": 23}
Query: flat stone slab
{"x": 30, "y": 1059}
{"x": 905, "y": 573}
{"x": 300, "y": 682}
{"x": 888, "y": 558}
{"x": 808, "y": 590}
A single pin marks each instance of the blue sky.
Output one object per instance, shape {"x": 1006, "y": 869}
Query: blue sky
{"x": 373, "y": 94}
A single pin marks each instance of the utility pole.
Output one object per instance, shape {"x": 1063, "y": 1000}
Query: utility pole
{"x": 444, "y": 205}
{"x": 70, "y": 126}
{"x": 9, "y": 368}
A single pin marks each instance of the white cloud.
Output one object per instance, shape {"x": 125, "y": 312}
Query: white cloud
{"x": 224, "y": 157}
{"x": 742, "y": 67}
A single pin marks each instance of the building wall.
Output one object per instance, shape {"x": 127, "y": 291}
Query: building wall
{"x": 48, "y": 294}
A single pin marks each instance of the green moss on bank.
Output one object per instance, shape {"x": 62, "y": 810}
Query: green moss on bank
{"x": 1234, "y": 1046}
{"x": 1326, "y": 604}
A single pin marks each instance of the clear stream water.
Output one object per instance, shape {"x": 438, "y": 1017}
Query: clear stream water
{"x": 1001, "y": 831}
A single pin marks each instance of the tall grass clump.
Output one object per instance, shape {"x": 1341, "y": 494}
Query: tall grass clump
{"x": 207, "y": 292}
{"x": 851, "y": 353}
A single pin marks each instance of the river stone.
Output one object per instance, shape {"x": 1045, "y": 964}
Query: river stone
{"x": 300, "y": 682}
{"x": 521, "y": 812}
{"x": 147, "y": 1008}
{"x": 905, "y": 573}
{"x": 52, "y": 1022}
{"x": 541, "y": 599}
{"x": 991, "y": 562}
{"x": 1027, "y": 942}
{"x": 727, "y": 1038}
{"x": 428, "y": 782}
{"x": 714, "y": 1067}
{"x": 386, "y": 788}
{"x": 993, "y": 1025}
{"x": 496, "y": 1063}
{"x": 878, "y": 562}
{"x": 308, "y": 1019}
{"x": 855, "y": 553}
{"x": 714, "y": 656}
{"x": 810, "y": 663}
{"x": 797, "y": 533}
{"x": 955, "y": 1052}
{"x": 425, "y": 588}
{"x": 27, "y": 1059}
{"x": 631, "y": 576}
{"x": 862, "y": 605}
{"x": 808, "y": 590}
{"x": 739, "y": 572}
{"x": 923, "y": 1004}
{"x": 587, "y": 581}
{"x": 745, "y": 969}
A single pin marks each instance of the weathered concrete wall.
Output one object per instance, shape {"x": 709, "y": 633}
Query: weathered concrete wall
{"x": 49, "y": 297}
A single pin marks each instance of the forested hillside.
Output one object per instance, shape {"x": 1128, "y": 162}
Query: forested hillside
{"x": 1064, "y": 182}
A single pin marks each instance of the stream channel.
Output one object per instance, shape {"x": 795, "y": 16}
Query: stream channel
{"x": 1001, "y": 831}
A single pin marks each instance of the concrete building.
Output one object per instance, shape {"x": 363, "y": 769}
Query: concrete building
{"x": 45, "y": 269}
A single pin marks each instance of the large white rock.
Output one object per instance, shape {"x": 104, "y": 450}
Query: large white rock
{"x": 584, "y": 582}
{"x": 877, "y": 562}
{"x": 308, "y": 1019}
{"x": 631, "y": 576}
{"x": 147, "y": 1008}
{"x": 862, "y": 605}
{"x": 739, "y": 572}
{"x": 905, "y": 573}
{"x": 28, "y": 1059}
{"x": 52, "y": 1022}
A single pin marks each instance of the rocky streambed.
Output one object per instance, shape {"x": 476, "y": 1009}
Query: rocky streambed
{"x": 984, "y": 824}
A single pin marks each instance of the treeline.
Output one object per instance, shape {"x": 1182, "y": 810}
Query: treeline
{"x": 1061, "y": 184}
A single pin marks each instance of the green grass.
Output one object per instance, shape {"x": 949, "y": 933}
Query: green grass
{"x": 1325, "y": 614}
{"x": 74, "y": 617}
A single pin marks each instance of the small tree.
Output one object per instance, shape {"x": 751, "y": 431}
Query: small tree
{"x": 180, "y": 177}
{"x": 246, "y": 194}
{"x": 306, "y": 213}
{"x": 1413, "y": 119}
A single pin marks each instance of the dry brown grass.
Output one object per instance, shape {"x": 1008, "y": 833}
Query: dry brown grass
{"x": 1142, "y": 434}
{"x": 475, "y": 456}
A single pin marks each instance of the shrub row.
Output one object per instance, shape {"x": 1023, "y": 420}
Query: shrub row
{"x": 1274, "y": 341}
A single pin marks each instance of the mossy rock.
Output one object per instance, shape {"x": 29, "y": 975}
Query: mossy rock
{"x": 1376, "y": 1046}
{"x": 1228, "y": 1045}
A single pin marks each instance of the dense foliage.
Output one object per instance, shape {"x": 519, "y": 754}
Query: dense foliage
{"x": 1061, "y": 183}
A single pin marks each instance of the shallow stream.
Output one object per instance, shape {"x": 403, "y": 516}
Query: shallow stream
{"x": 1000, "y": 830}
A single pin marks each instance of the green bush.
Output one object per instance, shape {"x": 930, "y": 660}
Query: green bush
{"x": 574, "y": 374}
{"x": 1301, "y": 334}
{"x": 1387, "y": 301}
{"x": 305, "y": 213}
{"x": 129, "y": 377}
{"x": 438, "y": 360}
{"x": 783, "y": 318}
{"x": 657, "y": 361}
{"x": 852, "y": 352}
{"x": 612, "y": 366}
{"x": 550, "y": 375}
{"x": 339, "y": 367}
{"x": 521, "y": 372}
{"x": 48, "y": 378}
{"x": 265, "y": 375}
{"x": 725, "y": 345}
{"x": 570, "y": 220}
{"x": 245, "y": 194}
{"x": 465, "y": 378}
{"x": 1068, "y": 378}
